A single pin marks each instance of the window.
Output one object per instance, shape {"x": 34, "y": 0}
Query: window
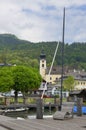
{"x": 56, "y": 79}
{"x": 50, "y": 78}
{"x": 84, "y": 83}
{"x": 42, "y": 65}
{"x": 43, "y": 84}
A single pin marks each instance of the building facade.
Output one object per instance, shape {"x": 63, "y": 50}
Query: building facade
{"x": 79, "y": 77}
{"x": 55, "y": 75}
{"x": 49, "y": 77}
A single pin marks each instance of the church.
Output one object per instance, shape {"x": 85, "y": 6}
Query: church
{"x": 51, "y": 77}
{"x": 51, "y": 81}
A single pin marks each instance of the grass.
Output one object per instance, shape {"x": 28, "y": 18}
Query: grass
{"x": 30, "y": 100}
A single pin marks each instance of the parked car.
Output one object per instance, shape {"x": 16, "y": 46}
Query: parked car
{"x": 19, "y": 93}
{"x": 12, "y": 94}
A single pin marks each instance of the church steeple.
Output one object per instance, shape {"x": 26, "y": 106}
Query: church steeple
{"x": 42, "y": 55}
{"x": 42, "y": 64}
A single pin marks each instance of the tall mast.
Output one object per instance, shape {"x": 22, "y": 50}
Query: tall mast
{"x": 63, "y": 32}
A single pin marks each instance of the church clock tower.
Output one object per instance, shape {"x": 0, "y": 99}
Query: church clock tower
{"x": 43, "y": 64}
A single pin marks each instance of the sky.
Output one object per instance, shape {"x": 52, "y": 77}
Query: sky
{"x": 42, "y": 20}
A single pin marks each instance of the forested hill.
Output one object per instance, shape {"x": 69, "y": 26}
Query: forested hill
{"x": 17, "y": 51}
{"x": 11, "y": 40}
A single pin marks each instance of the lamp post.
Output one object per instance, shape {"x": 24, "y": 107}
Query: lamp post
{"x": 62, "y": 52}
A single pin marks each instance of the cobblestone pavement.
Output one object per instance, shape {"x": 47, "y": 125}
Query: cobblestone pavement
{"x": 77, "y": 123}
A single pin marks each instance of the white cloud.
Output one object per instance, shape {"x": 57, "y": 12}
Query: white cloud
{"x": 41, "y": 20}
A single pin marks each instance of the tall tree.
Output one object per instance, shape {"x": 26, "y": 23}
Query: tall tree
{"x": 25, "y": 79}
{"x": 69, "y": 83}
{"x": 6, "y": 79}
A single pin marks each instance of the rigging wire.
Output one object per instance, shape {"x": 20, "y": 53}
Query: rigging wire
{"x": 50, "y": 69}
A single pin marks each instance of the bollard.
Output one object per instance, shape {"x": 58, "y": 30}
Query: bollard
{"x": 59, "y": 107}
{"x": 49, "y": 107}
{"x": 79, "y": 106}
{"x": 39, "y": 113}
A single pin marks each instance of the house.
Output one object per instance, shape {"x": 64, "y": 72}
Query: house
{"x": 78, "y": 93}
{"x": 80, "y": 78}
{"x": 4, "y": 64}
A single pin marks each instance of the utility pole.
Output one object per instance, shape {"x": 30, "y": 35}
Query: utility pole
{"x": 62, "y": 52}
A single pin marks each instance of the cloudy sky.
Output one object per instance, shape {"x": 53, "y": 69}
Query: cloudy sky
{"x": 41, "y": 20}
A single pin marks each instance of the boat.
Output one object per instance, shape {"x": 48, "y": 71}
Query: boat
{"x": 15, "y": 112}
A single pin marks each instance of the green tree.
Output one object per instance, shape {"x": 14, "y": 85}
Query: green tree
{"x": 6, "y": 79}
{"x": 25, "y": 79}
{"x": 69, "y": 83}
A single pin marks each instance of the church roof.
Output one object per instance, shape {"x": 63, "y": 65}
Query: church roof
{"x": 56, "y": 70}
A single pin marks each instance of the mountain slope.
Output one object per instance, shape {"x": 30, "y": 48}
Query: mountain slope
{"x": 17, "y": 51}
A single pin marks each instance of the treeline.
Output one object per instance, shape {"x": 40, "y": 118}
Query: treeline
{"x": 21, "y": 52}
